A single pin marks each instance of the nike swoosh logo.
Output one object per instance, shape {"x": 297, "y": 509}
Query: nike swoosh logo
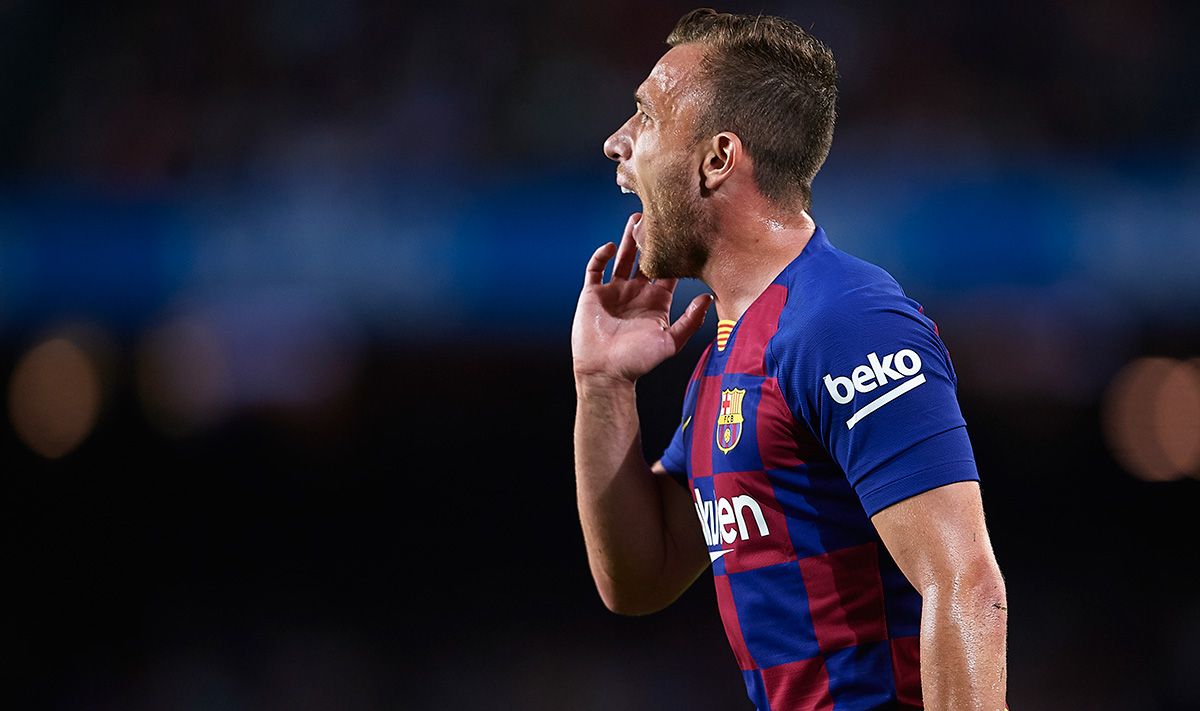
{"x": 713, "y": 555}
{"x": 686, "y": 423}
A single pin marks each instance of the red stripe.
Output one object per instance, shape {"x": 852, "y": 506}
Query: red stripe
{"x": 779, "y": 443}
{"x": 906, "y": 664}
{"x": 704, "y": 424}
{"x": 759, "y": 324}
{"x": 845, "y": 597}
{"x": 733, "y": 626}
{"x": 798, "y": 686}
{"x": 757, "y": 551}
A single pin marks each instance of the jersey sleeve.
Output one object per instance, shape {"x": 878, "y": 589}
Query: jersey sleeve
{"x": 674, "y": 458}
{"x": 874, "y": 383}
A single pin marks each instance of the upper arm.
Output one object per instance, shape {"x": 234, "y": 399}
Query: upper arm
{"x": 687, "y": 552}
{"x": 939, "y": 536}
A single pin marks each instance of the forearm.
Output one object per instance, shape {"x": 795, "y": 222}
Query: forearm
{"x": 631, "y": 515}
{"x": 620, "y": 506}
{"x": 963, "y": 642}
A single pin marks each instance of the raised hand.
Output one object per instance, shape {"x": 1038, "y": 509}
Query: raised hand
{"x": 622, "y": 329}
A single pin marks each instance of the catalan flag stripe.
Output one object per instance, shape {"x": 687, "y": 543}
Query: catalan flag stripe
{"x": 724, "y": 328}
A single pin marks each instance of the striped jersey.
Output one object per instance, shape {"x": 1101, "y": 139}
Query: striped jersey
{"x": 830, "y": 399}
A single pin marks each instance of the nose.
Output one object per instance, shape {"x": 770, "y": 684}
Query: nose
{"x": 618, "y": 147}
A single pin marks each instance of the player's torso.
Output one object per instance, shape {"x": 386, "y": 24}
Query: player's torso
{"x": 808, "y": 594}
{"x": 766, "y": 491}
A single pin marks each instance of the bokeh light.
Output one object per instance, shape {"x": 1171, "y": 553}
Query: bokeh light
{"x": 54, "y": 397}
{"x": 1152, "y": 418}
{"x": 277, "y": 351}
{"x": 183, "y": 375}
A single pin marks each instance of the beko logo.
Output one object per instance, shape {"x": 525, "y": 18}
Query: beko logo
{"x": 876, "y": 373}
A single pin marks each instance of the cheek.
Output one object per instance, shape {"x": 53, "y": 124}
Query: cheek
{"x": 646, "y": 144}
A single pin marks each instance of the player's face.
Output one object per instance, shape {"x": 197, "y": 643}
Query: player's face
{"x": 657, "y": 158}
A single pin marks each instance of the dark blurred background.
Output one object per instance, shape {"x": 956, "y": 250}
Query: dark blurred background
{"x": 285, "y": 301}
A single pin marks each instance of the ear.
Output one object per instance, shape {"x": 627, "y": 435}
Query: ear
{"x": 721, "y": 157}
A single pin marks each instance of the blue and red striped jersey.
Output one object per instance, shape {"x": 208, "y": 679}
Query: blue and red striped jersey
{"x": 832, "y": 398}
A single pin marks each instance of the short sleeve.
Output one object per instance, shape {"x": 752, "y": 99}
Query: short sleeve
{"x": 873, "y": 381}
{"x": 674, "y": 458}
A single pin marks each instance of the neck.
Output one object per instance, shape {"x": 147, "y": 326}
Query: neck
{"x": 747, "y": 256}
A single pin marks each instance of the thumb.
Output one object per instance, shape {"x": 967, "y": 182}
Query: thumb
{"x": 691, "y": 319}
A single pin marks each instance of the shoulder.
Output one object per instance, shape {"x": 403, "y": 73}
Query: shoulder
{"x": 839, "y": 299}
{"x": 844, "y": 317}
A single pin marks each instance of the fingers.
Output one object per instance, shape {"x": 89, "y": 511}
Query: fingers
{"x": 687, "y": 324}
{"x": 668, "y": 284}
{"x": 594, "y": 274}
{"x": 626, "y": 257}
{"x": 627, "y": 252}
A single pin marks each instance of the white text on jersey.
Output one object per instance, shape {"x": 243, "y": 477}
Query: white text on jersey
{"x": 718, "y": 519}
{"x": 876, "y": 373}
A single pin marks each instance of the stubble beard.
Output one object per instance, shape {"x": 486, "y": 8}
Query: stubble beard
{"x": 678, "y": 231}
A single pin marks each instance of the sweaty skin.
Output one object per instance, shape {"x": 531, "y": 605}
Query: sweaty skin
{"x": 643, "y": 542}
{"x": 964, "y": 612}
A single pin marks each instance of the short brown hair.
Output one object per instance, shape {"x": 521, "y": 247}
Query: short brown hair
{"x": 775, "y": 86}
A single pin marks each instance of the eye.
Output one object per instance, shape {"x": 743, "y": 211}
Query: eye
{"x": 642, "y": 115}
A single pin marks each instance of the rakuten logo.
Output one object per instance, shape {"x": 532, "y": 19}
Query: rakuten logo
{"x": 874, "y": 374}
{"x": 718, "y": 519}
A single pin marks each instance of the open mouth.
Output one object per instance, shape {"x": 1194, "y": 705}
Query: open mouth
{"x": 627, "y": 188}
{"x": 626, "y": 185}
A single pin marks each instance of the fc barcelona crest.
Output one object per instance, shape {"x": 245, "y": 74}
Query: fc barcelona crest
{"x": 729, "y": 422}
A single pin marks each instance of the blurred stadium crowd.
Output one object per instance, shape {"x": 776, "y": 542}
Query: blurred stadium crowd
{"x": 154, "y": 95}
{"x": 285, "y": 293}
